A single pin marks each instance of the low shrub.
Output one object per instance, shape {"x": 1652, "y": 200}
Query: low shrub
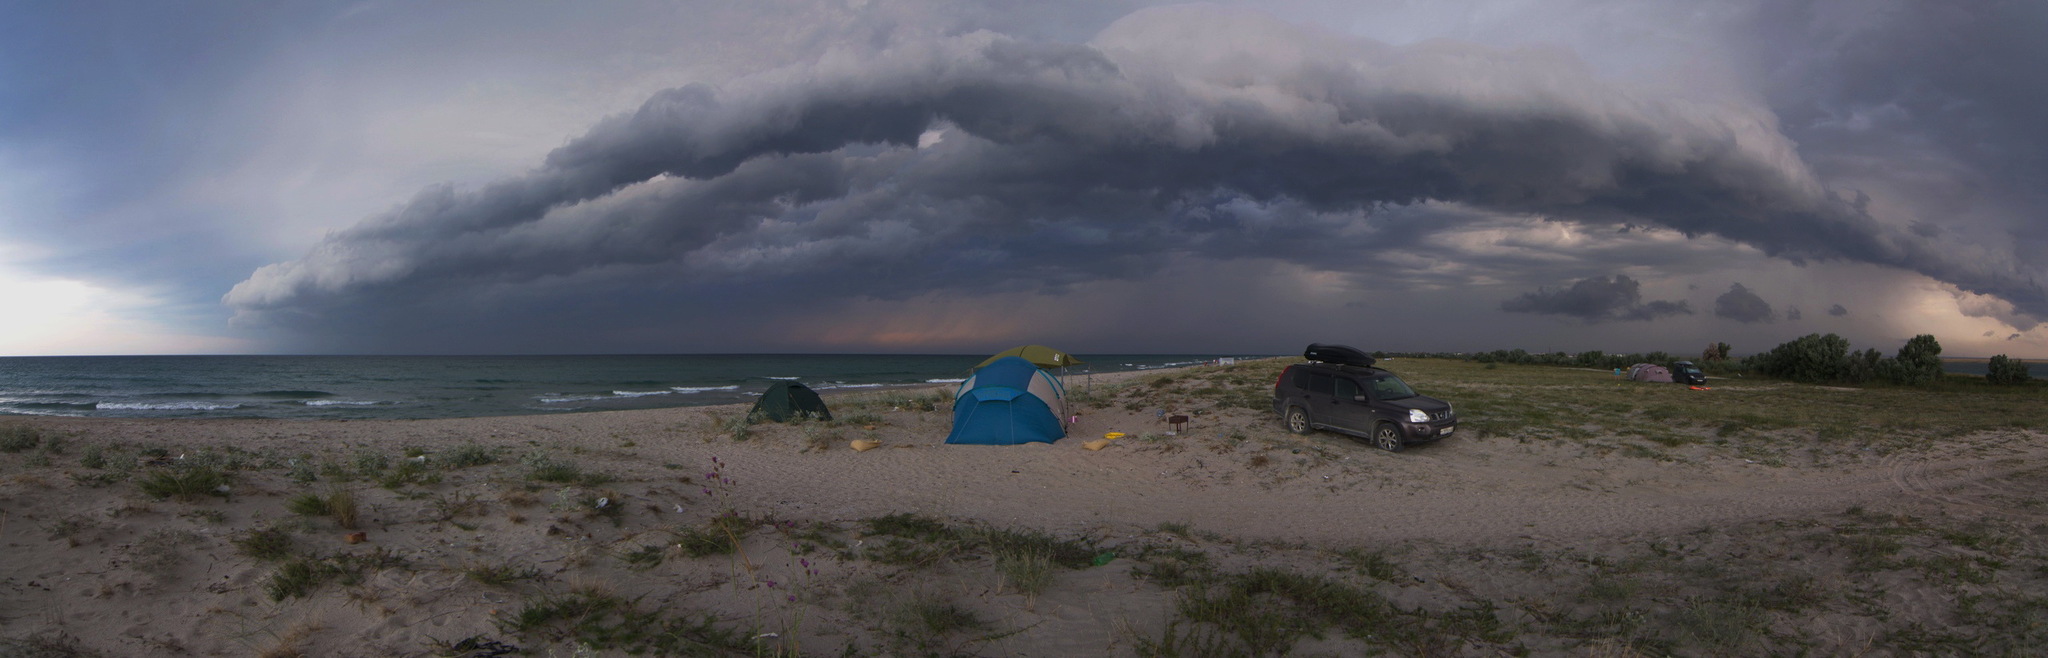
{"x": 16, "y": 438}
{"x": 184, "y": 484}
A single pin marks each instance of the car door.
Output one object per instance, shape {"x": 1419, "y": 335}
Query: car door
{"x": 1349, "y": 409}
{"x": 1321, "y": 397}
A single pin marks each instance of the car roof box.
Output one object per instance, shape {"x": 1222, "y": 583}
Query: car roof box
{"x": 1343, "y": 355}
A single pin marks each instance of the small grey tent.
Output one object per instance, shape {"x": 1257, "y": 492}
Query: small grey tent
{"x": 1649, "y": 372}
{"x": 785, "y": 400}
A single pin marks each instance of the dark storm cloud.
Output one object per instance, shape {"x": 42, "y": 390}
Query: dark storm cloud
{"x": 1741, "y": 305}
{"x": 1920, "y": 104}
{"x": 1060, "y": 163}
{"x": 1913, "y": 74}
{"x": 1598, "y": 299}
{"x": 1792, "y": 314}
{"x": 1837, "y": 310}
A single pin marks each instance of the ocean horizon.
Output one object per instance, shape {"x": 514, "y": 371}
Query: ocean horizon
{"x": 339, "y": 387}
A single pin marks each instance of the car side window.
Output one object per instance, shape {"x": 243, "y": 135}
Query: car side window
{"x": 1389, "y": 388}
{"x": 1321, "y": 384}
{"x": 1347, "y": 390}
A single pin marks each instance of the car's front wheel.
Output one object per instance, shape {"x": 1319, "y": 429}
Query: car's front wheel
{"x": 1387, "y": 438}
{"x": 1297, "y": 420}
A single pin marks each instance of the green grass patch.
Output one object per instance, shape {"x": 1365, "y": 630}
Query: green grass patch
{"x": 268, "y": 544}
{"x": 408, "y": 472}
{"x": 468, "y": 455}
{"x": 184, "y": 483}
{"x": 645, "y": 557}
{"x": 307, "y": 504}
{"x": 17, "y": 438}
{"x": 297, "y": 578}
{"x": 1068, "y": 553}
{"x": 502, "y": 574}
{"x": 703, "y": 542}
{"x": 1374, "y": 564}
{"x": 931, "y": 616}
{"x": 543, "y": 468}
{"x": 603, "y": 621}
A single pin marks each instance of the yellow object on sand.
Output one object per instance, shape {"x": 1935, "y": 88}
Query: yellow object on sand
{"x": 864, "y": 445}
{"x": 1097, "y": 444}
{"x": 1113, "y": 435}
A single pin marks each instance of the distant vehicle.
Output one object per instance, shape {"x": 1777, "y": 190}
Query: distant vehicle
{"x": 1684, "y": 372}
{"x": 1339, "y": 390}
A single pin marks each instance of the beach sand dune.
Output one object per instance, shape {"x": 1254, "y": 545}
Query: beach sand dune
{"x": 608, "y": 532}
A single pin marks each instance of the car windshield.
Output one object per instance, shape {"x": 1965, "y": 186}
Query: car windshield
{"x": 1390, "y": 388}
{"x": 1688, "y": 369}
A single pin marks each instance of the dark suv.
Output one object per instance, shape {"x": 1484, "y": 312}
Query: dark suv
{"x": 1340, "y": 390}
{"x": 1684, "y": 372}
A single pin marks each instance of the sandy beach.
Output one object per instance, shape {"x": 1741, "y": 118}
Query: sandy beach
{"x": 585, "y": 534}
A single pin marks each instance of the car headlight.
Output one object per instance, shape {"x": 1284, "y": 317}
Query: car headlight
{"x": 1418, "y": 416}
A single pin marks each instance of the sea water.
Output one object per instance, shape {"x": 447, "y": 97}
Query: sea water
{"x": 366, "y": 387}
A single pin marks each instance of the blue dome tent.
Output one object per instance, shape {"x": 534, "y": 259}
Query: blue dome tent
{"x": 1007, "y": 402}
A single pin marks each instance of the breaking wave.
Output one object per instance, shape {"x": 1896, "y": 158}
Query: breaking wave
{"x": 165, "y": 406}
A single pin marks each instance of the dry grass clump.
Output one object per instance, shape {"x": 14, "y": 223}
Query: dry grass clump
{"x": 601, "y": 620}
{"x": 502, "y": 574}
{"x": 45, "y": 643}
{"x": 161, "y": 550}
{"x": 339, "y": 504}
{"x": 291, "y": 643}
{"x": 267, "y": 544}
{"x": 73, "y": 529}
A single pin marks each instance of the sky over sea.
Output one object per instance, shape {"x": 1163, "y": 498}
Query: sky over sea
{"x": 942, "y": 176}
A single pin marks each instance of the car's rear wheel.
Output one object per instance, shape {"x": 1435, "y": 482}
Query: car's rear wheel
{"x": 1297, "y": 421}
{"x": 1387, "y": 437}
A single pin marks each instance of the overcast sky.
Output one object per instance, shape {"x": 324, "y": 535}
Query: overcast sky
{"x": 947, "y": 176}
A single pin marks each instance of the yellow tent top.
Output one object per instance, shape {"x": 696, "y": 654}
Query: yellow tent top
{"x": 1038, "y": 355}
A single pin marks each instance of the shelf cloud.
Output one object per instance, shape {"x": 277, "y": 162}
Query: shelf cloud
{"x": 983, "y": 160}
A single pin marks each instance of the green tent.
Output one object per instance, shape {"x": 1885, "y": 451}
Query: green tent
{"x": 785, "y": 400}
{"x": 1038, "y": 355}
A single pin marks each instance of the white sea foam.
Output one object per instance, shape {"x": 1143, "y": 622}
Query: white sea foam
{"x": 945, "y": 380}
{"x": 166, "y": 406}
{"x": 701, "y": 389}
{"x": 827, "y": 387}
{"x": 5, "y": 409}
{"x": 639, "y": 394}
{"x": 345, "y": 403}
{"x": 557, "y": 398}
